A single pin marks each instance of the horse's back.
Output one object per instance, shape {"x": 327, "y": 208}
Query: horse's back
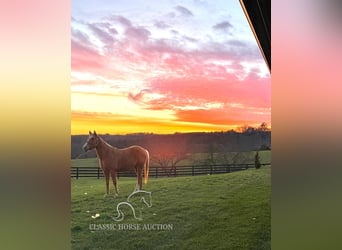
{"x": 133, "y": 155}
{"x": 134, "y": 151}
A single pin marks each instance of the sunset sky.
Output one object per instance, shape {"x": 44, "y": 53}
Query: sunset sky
{"x": 164, "y": 67}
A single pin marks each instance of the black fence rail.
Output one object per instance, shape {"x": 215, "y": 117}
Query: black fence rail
{"x": 157, "y": 172}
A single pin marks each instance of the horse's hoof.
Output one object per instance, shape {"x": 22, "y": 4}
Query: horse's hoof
{"x": 115, "y": 195}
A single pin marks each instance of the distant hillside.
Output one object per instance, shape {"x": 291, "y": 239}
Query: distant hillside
{"x": 230, "y": 141}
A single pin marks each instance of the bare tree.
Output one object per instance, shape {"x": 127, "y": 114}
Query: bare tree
{"x": 234, "y": 158}
{"x": 168, "y": 153}
{"x": 263, "y": 127}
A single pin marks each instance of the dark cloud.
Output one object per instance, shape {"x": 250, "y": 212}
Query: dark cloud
{"x": 79, "y": 36}
{"x": 161, "y": 25}
{"x": 138, "y": 33}
{"x": 102, "y": 34}
{"x": 223, "y": 26}
{"x": 174, "y": 32}
{"x": 190, "y": 39}
{"x": 130, "y": 30}
{"x": 137, "y": 97}
{"x": 237, "y": 43}
{"x": 113, "y": 31}
{"x": 184, "y": 11}
{"x": 122, "y": 20}
{"x": 106, "y": 26}
{"x": 164, "y": 45}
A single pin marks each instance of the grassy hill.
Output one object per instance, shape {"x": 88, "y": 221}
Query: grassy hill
{"x": 225, "y": 211}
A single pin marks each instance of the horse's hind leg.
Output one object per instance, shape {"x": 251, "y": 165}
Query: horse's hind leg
{"x": 139, "y": 177}
{"x": 116, "y": 193}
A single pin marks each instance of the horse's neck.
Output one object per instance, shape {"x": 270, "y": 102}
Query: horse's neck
{"x": 103, "y": 148}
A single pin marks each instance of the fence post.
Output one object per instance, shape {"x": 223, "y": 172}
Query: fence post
{"x": 77, "y": 173}
{"x": 98, "y": 173}
{"x": 192, "y": 170}
{"x": 156, "y": 172}
{"x": 211, "y": 169}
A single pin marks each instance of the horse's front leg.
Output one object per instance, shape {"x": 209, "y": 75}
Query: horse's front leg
{"x": 113, "y": 173}
{"x": 106, "y": 173}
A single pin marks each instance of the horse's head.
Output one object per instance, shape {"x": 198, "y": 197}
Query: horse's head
{"x": 91, "y": 142}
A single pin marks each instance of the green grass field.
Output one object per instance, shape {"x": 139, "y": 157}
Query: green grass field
{"x": 224, "y": 211}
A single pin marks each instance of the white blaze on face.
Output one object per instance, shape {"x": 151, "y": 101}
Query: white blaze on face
{"x": 85, "y": 146}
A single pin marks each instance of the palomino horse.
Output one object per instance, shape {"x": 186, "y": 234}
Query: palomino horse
{"x": 113, "y": 159}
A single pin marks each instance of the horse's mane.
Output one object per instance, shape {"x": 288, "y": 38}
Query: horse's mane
{"x": 106, "y": 143}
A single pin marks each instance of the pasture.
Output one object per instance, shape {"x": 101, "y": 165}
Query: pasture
{"x": 225, "y": 211}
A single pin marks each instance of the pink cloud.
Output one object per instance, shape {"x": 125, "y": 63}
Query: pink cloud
{"x": 253, "y": 91}
{"x": 217, "y": 101}
{"x": 85, "y": 58}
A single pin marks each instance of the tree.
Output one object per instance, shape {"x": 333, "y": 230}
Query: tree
{"x": 234, "y": 158}
{"x": 264, "y": 132}
{"x": 168, "y": 152}
{"x": 212, "y": 154}
{"x": 263, "y": 127}
{"x": 257, "y": 160}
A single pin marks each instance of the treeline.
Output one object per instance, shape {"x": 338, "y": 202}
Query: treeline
{"x": 247, "y": 139}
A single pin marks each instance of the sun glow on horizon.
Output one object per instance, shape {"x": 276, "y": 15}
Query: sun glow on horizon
{"x": 82, "y": 123}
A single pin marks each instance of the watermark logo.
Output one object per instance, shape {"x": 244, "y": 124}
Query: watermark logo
{"x": 130, "y": 227}
{"x": 135, "y": 201}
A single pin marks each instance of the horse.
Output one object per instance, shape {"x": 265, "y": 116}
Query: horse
{"x": 112, "y": 160}
{"x": 141, "y": 197}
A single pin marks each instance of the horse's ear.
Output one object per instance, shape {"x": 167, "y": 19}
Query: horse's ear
{"x": 90, "y": 132}
{"x": 95, "y": 132}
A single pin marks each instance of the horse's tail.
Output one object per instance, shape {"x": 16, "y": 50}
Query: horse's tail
{"x": 146, "y": 167}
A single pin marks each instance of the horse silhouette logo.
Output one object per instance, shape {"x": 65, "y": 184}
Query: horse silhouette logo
{"x": 135, "y": 201}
